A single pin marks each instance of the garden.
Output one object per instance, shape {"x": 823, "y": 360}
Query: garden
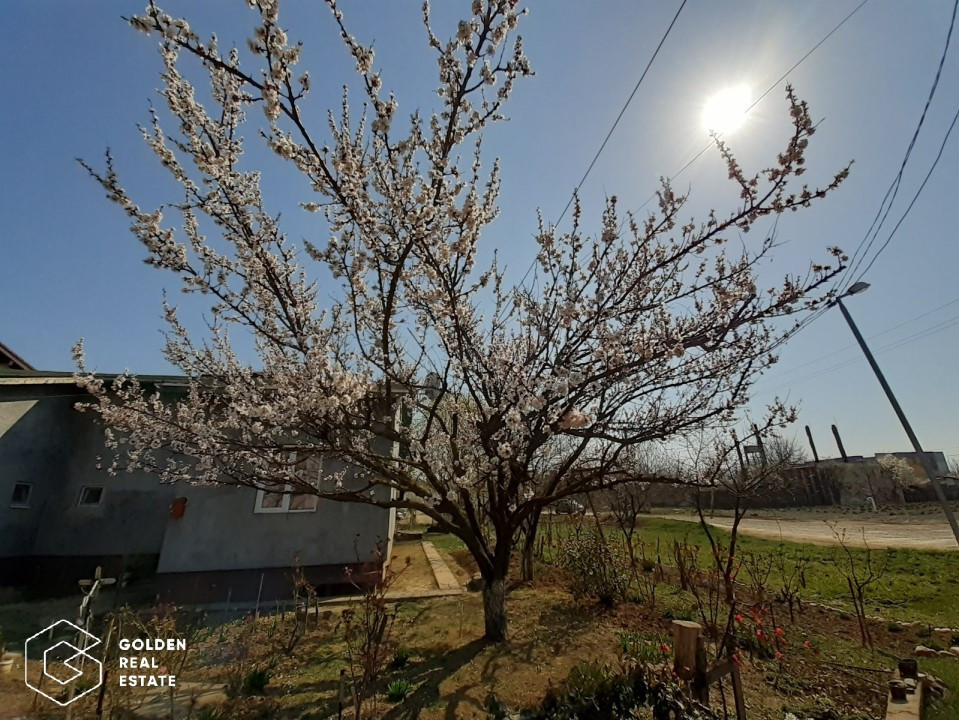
{"x": 814, "y": 632}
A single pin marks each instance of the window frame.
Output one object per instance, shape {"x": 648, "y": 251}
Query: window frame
{"x": 288, "y": 494}
{"x": 98, "y": 503}
{"x": 25, "y": 504}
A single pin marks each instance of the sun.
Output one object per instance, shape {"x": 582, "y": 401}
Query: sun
{"x": 725, "y": 111}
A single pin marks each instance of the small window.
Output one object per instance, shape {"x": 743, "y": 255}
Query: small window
{"x": 21, "y": 495}
{"x": 280, "y": 498}
{"x": 271, "y": 499}
{"x": 90, "y": 495}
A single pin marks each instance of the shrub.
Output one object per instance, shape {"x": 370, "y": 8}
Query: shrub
{"x": 635, "y": 646}
{"x": 597, "y": 568}
{"x": 209, "y": 712}
{"x": 595, "y": 692}
{"x": 398, "y": 689}
{"x": 256, "y": 681}
{"x": 401, "y": 658}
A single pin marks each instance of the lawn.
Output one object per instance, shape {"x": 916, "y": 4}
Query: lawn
{"x": 917, "y": 585}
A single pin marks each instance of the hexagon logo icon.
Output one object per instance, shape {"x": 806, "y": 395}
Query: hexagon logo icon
{"x": 64, "y": 663}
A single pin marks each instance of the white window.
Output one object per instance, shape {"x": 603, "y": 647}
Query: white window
{"x": 280, "y": 497}
{"x": 90, "y": 495}
{"x": 21, "y": 495}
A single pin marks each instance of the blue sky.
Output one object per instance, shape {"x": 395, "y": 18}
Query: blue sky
{"x": 77, "y": 79}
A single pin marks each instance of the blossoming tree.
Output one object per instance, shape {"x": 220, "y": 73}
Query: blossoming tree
{"x": 514, "y": 395}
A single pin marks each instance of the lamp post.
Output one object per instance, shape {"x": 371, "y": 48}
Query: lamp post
{"x": 855, "y": 289}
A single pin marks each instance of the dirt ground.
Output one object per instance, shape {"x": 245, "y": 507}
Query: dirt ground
{"x": 417, "y": 575}
{"x": 917, "y": 531}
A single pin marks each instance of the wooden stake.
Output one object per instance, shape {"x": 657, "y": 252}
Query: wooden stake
{"x": 738, "y": 696}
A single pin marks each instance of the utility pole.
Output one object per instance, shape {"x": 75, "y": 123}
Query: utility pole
{"x": 842, "y": 449}
{"x": 923, "y": 458}
{"x": 812, "y": 444}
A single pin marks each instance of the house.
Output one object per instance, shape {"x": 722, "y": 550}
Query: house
{"x": 10, "y": 361}
{"x": 61, "y": 516}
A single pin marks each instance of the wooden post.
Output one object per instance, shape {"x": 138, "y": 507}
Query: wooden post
{"x": 256, "y": 612}
{"x": 685, "y": 634}
{"x": 700, "y": 686}
{"x": 738, "y": 696}
{"x": 106, "y": 669}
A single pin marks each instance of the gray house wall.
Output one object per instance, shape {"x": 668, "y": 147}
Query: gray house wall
{"x": 221, "y": 530}
{"x": 48, "y": 546}
{"x": 31, "y": 451}
{"x": 219, "y": 548}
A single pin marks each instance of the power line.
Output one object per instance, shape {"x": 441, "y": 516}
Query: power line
{"x": 621, "y": 112}
{"x": 915, "y": 337}
{"x": 610, "y": 133}
{"x": 871, "y": 337}
{"x": 763, "y": 96}
{"x": 914, "y": 197}
{"x": 708, "y": 145}
{"x": 893, "y": 190}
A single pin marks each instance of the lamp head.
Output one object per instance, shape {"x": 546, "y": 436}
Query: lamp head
{"x": 857, "y": 288}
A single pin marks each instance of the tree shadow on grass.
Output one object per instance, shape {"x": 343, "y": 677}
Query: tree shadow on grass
{"x": 435, "y": 667}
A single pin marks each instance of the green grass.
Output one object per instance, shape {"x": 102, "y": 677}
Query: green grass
{"x": 948, "y": 672}
{"x": 445, "y": 541}
{"x": 918, "y": 584}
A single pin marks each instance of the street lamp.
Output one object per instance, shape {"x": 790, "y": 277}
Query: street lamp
{"x": 855, "y": 289}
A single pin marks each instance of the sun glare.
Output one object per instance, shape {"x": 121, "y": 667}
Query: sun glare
{"x": 725, "y": 111}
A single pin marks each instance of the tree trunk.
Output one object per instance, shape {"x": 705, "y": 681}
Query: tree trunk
{"x": 494, "y": 608}
{"x": 529, "y": 547}
{"x": 526, "y": 566}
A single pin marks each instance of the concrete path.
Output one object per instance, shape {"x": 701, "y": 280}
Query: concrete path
{"x": 445, "y": 579}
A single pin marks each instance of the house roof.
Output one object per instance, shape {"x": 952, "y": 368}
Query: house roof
{"x": 10, "y": 378}
{"x": 9, "y": 360}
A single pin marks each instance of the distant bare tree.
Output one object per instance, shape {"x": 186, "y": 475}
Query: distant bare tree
{"x": 784, "y": 451}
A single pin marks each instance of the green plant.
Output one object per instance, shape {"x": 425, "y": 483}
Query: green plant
{"x": 586, "y": 678}
{"x": 634, "y": 645}
{"x": 367, "y": 629}
{"x": 597, "y": 568}
{"x": 401, "y": 658}
{"x": 208, "y": 712}
{"x": 398, "y": 689}
{"x": 256, "y": 681}
{"x": 496, "y": 708}
{"x": 594, "y": 692}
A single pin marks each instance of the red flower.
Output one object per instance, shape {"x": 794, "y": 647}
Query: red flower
{"x": 759, "y": 634}
{"x": 739, "y": 618}
{"x": 807, "y": 645}
{"x": 665, "y": 648}
{"x": 779, "y": 655}
{"x": 779, "y": 632}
